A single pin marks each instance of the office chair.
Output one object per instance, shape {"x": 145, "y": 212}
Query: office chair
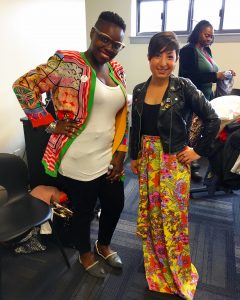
{"x": 20, "y": 211}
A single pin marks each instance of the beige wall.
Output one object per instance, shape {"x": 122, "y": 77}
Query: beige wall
{"x": 31, "y": 31}
{"x": 134, "y": 56}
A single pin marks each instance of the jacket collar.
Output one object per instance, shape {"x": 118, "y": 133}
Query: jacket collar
{"x": 170, "y": 98}
{"x": 174, "y": 84}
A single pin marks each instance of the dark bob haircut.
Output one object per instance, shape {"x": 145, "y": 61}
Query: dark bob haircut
{"x": 111, "y": 17}
{"x": 194, "y": 36}
{"x": 163, "y": 41}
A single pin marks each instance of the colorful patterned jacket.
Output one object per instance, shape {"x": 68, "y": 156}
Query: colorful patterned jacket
{"x": 72, "y": 81}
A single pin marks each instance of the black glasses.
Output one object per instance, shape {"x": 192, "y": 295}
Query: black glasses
{"x": 106, "y": 40}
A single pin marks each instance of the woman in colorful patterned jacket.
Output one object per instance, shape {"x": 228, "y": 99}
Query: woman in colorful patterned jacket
{"x": 88, "y": 139}
{"x": 161, "y": 158}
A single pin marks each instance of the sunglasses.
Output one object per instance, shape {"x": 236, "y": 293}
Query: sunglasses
{"x": 106, "y": 40}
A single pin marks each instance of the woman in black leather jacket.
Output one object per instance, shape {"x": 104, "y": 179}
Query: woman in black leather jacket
{"x": 180, "y": 100}
{"x": 161, "y": 158}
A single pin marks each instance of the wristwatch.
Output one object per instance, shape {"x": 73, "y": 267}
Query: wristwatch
{"x": 51, "y": 127}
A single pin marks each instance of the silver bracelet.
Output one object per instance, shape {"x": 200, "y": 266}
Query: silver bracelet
{"x": 51, "y": 127}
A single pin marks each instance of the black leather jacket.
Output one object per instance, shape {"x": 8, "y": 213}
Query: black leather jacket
{"x": 181, "y": 99}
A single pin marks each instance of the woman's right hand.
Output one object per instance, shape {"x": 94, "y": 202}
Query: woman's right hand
{"x": 67, "y": 127}
{"x": 221, "y": 75}
{"x": 134, "y": 166}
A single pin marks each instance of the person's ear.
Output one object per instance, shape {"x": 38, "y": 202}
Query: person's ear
{"x": 148, "y": 57}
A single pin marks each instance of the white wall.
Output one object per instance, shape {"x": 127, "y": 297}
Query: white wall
{"x": 134, "y": 56}
{"x": 31, "y": 31}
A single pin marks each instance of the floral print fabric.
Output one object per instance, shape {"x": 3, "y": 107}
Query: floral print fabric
{"x": 163, "y": 221}
{"x": 72, "y": 81}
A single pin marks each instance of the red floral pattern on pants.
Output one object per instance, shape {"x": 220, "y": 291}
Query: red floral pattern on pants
{"x": 163, "y": 221}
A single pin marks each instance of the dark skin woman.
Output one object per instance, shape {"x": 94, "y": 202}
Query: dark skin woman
{"x": 196, "y": 63}
{"x": 88, "y": 141}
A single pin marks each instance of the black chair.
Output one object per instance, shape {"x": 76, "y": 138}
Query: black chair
{"x": 20, "y": 211}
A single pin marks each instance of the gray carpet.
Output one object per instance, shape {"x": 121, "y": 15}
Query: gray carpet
{"x": 214, "y": 236}
{"x": 215, "y": 249}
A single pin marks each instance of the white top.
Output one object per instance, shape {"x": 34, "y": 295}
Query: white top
{"x": 91, "y": 152}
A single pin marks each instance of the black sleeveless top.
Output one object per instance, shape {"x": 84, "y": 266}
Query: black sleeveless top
{"x": 149, "y": 119}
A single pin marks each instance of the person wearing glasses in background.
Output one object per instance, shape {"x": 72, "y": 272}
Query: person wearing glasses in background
{"x": 88, "y": 139}
{"x": 197, "y": 64}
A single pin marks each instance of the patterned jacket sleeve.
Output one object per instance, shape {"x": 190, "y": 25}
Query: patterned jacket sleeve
{"x": 30, "y": 87}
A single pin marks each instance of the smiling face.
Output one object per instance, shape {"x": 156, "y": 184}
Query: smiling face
{"x": 163, "y": 65}
{"x": 163, "y": 50}
{"x": 106, "y": 42}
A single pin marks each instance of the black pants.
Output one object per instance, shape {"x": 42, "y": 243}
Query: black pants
{"x": 83, "y": 196}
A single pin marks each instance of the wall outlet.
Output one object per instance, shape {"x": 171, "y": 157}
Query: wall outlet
{"x": 18, "y": 152}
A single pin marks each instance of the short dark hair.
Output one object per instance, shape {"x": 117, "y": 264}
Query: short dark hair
{"x": 109, "y": 16}
{"x": 163, "y": 41}
{"x": 194, "y": 36}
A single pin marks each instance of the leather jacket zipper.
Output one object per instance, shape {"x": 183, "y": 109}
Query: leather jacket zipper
{"x": 170, "y": 133}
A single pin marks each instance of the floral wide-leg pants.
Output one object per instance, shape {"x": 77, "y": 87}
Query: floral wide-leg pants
{"x": 163, "y": 221}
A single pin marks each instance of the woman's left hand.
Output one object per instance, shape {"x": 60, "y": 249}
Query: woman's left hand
{"x": 187, "y": 155}
{"x": 115, "y": 171}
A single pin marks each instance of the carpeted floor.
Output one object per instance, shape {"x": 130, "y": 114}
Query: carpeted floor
{"x": 215, "y": 249}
